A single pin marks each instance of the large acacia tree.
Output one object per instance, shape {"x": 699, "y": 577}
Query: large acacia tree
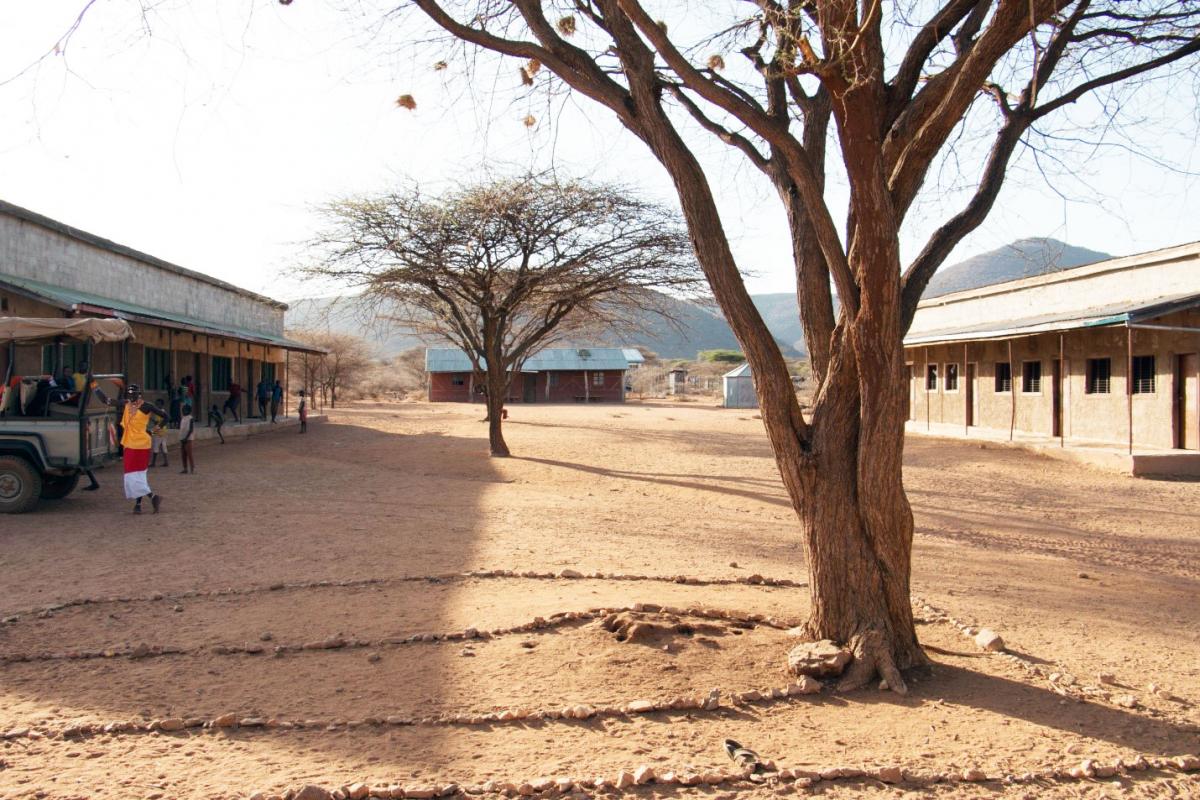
{"x": 891, "y": 86}
{"x": 504, "y": 268}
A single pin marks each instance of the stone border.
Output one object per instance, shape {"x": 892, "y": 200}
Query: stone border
{"x": 556, "y": 620}
{"x": 45, "y": 611}
{"x": 626, "y": 780}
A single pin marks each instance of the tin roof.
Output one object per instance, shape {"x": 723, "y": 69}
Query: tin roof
{"x": 25, "y": 215}
{"x": 1118, "y": 291}
{"x": 553, "y": 359}
{"x": 633, "y": 355}
{"x": 740, "y": 371}
{"x": 86, "y": 303}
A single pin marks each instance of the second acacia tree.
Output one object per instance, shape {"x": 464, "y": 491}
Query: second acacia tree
{"x": 505, "y": 268}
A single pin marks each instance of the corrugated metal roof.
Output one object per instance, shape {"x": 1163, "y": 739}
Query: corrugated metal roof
{"x": 633, "y": 355}
{"x": 34, "y": 218}
{"x": 1113, "y": 314}
{"x": 87, "y": 303}
{"x": 740, "y": 371}
{"x": 597, "y": 358}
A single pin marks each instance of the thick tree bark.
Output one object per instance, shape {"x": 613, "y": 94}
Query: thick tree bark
{"x": 497, "y": 391}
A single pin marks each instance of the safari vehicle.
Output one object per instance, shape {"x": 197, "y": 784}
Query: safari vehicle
{"x": 50, "y": 433}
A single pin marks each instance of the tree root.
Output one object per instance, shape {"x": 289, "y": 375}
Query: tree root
{"x": 872, "y": 656}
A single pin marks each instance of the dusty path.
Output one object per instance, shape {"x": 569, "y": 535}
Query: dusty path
{"x": 248, "y": 555}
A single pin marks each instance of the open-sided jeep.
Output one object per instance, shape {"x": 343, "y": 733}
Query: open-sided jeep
{"x": 49, "y": 432}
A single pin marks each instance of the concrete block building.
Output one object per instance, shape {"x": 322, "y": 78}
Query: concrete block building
{"x": 560, "y": 375}
{"x": 184, "y": 323}
{"x": 1103, "y": 354}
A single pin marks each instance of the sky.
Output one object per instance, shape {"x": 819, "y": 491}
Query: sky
{"x": 209, "y": 133}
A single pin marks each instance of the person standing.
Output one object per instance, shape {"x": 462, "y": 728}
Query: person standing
{"x": 276, "y": 400}
{"x": 263, "y": 395}
{"x": 135, "y": 439}
{"x": 303, "y": 413}
{"x": 234, "y": 400}
{"x": 187, "y": 432}
{"x": 158, "y": 436}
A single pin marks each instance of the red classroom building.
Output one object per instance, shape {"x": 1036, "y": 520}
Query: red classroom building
{"x": 560, "y": 375}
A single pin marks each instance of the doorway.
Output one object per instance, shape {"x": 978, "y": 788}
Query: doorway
{"x": 1056, "y": 403}
{"x": 911, "y": 409}
{"x": 970, "y": 410}
{"x": 1187, "y": 401}
{"x": 530, "y": 395}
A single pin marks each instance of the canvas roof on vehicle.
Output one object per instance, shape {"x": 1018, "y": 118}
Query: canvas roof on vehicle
{"x": 28, "y": 329}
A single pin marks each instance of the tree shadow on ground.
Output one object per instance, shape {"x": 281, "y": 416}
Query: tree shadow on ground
{"x": 682, "y": 481}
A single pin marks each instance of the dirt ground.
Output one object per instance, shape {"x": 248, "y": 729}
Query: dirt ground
{"x": 336, "y": 539}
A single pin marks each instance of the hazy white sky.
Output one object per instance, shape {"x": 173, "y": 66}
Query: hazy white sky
{"x": 205, "y": 132}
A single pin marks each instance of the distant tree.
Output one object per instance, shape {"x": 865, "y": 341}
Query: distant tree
{"x": 502, "y": 269}
{"x": 340, "y": 369}
{"x": 721, "y": 356}
{"x": 893, "y": 87}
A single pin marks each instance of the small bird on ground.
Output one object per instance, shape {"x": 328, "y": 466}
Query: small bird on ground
{"x": 746, "y": 758}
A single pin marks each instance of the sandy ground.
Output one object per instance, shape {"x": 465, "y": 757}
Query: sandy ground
{"x": 1082, "y": 572}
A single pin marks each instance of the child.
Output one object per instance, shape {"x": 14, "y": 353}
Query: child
{"x": 303, "y": 413}
{"x": 215, "y": 418}
{"x": 158, "y": 436}
{"x": 187, "y": 429}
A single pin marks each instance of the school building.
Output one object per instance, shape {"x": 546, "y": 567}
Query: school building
{"x": 184, "y": 323}
{"x": 1102, "y": 357}
{"x": 556, "y": 375}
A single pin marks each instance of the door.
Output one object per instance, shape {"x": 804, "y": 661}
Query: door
{"x": 1187, "y": 398}
{"x": 911, "y": 410}
{"x": 530, "y": 388}
{"x": 970, "y": 410}
{"x": 1056, "y": 405}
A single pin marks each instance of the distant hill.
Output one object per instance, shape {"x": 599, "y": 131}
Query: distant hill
{"x": 1024, "y": 258}
{"x": 696, "y": 328}
{"x": 702, "y": 327}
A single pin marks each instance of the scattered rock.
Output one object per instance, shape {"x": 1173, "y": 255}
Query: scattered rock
{"x": 1126, "y": 701}
{"x": 311, "y": 792}
{"x": 733, "y": 564}
{"x": 1107, "y": 678}
{"x": 640, "y": 706}
{"x": 266, "y": 636}
{"x": 226, "y": 721}
{"x": 140, "y": 651}
{"x": 374, "y": 657}
{"x": 974, "y": 775}
{"x": 624, "y": 780}
{"x": 570, "y": 573}
{"x": 806, "y": 685}
{"x": 987, "y": 639}
{"x": 172, "y": 724}
{"x": 891, "y": 774}
{"x": 418, "y": 792}
{"x": 713, "y": 701}
{"x": 358, "y": 791}
{"x": 643, "y": 774}
{"x": 819, "y": 659}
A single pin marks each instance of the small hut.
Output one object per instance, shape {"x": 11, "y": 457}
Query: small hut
{"x": 738, "y": 386}
{"x": 677, "y": 381}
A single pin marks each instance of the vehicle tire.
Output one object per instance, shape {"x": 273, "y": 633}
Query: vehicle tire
{"x": 56, "y": 487}
{"x": 20, "y": 485}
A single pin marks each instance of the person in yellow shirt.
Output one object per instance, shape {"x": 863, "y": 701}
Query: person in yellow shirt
{"x": 80, "y": 376}
{"x": 136, "y": 420}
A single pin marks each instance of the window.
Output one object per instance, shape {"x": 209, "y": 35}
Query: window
{"x": 931, "y": 378}
{"x": 597, "y": 379}
{"x": 952, "y": 377}
{"x": 553, "y": 379}
{"x": 458, "y": 380}
{"x": 1031, "y": 377}
{"x": 158, "y": 368}
{"x": 1099, "y": 376}
{"x": 1143, "y": 374}
{"x": 1003, "y": 377}
{"x": 222, "y": 372}
{"x": 72, "y": 357}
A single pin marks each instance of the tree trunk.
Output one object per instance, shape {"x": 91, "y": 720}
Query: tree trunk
{"x": 497, "y": 391}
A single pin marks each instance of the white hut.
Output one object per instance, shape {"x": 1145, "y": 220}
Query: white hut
{"x": 738, "y": 386}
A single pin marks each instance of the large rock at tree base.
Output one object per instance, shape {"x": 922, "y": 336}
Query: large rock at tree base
{"x": 822, "y": 659}
{"x": 311, "y": 792}
{"x": 987, "y": 639}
